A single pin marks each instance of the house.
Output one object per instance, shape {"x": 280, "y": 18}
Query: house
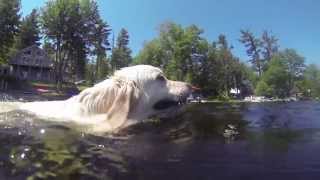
{"x": 235, "y": 91}
{"x": 32, "y": 63}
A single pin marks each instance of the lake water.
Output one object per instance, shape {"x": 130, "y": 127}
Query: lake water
{"x": 208, "y": 141}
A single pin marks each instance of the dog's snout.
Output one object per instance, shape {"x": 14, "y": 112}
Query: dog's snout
{"x": 192, "y": 88}
{"x": 181, "y": 88}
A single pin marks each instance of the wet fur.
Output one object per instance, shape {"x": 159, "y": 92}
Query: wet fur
{"x": 125, "y": 98}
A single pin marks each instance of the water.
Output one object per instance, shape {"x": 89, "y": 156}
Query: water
{"x": 208, "y": 141}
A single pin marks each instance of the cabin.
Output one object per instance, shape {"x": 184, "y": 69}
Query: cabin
{"x": 32, "y": 63}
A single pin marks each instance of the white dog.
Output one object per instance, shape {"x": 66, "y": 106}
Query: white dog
{"x": 131, "y": 95}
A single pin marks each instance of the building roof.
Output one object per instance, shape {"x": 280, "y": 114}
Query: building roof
{"x": 32, "y": 56}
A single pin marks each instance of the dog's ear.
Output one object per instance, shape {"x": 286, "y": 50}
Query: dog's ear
{"x": 115, "y": 98}
{"x": 124, "y": 102}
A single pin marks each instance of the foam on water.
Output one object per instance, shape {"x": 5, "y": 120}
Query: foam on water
{"x": 8, "y": 102}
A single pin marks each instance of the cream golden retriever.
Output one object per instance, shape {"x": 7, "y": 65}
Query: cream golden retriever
{"x": 132, "y": 94}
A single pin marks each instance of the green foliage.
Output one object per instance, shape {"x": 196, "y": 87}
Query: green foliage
{"x": 276, "y": 77}
{"x": 284, "y": 71}
{"x": 9, "y": 24}
{"x": 76, "y": 31}
{"x": 185, "y": 55}
{"x": 260, "y": 50}
{"x": 263, "y": 89}
{"x": 29, "y": 31}
{"x": 121, "y": 54}
{"x": 89, "y": 75}
{"x": 102, "y": 68}
{"x": 224, "y": 96}
{"x": 269, "y": 46}
{"x": 309, "y": 85}
{"x": 152, "y": 53}
{"x": 76, "y": 37}
{"x": 253, "y": 46}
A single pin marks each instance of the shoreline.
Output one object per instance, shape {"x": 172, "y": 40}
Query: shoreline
{"x": 246, "y": 101}
{"x": 27, "y": 96}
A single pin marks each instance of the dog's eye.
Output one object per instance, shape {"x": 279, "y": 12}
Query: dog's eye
{"x": 161, "y": 78}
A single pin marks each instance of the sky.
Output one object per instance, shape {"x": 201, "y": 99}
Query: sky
{"x": 294, "y": 22}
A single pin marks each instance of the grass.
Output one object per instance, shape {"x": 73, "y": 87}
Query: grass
{"x": 49, "y": 85}
{"x": 82, "y": 87}
{"x": 42, "y": 84}
{"x": 52, "y": 86}
{"x": 225, "y": 101}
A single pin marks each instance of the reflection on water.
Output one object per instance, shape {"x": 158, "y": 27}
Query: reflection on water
{"x": 208, "y": 141}
{"x": 57, "y": 152}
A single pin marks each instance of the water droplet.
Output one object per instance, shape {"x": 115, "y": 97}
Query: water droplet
{"x": 42, "y": 131}
{"x": 19, "y": 133}
{"x": 26, "y": 149}
{"x": 12, "y": 156}
{"x": 23, "y": 155}
{"x": 101, "y": 146}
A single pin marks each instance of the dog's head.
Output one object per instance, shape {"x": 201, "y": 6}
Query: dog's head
{"x": 157, "y": 93}
{"x": 135, "y": 92}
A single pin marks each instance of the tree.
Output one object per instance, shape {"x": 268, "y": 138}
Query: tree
{"x": 274, "y": 82}
{"x": 29, "y": 31}
{"x": 263, "y": 89}
{"x": 121, "y": 54}
{"x": 170, "y": 36}
{"x": 182, "y": 50}
{"x": 270, "y": 46}
{"x": 309, "y": 85}
{"x": 102, "y": 45}
{"x": 295, "y": 65}
{"x": 284, "y": 71}
{"x": 99, "y": 32}
{"x": 253, "y": 46}
{"x": 72, "y": 27}
{"x": 56, "y": 24}
{"x": 184, "y": 55}
{"x": 49, "y": 49}
{"x": 227, "y": 64}
{"x": 152, "y": 53}
{"x": 9, "y": 23}
{"x": 212, "y": 72}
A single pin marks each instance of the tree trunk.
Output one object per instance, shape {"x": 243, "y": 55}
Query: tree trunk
{"x": 58, "y": 66}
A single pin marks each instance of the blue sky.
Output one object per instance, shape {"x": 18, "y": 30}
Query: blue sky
{"x": 294, "y": 22}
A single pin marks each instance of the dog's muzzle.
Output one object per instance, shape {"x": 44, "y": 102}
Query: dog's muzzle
{"x": 177, "y": 101}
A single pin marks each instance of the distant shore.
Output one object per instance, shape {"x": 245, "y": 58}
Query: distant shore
{"x": 26, "y": 96}
{"x": 250, "y": 100}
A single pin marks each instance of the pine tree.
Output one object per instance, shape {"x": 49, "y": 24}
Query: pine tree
{"x": 253, "y": 46}
{"x": 121, "y": 54}
{"x": 102, "y": 45}
{"x": 29, "y": 31}
{"x": 227, "y": 63}
{"x": 270, "y": 45}
{"x": 9, "y": 22}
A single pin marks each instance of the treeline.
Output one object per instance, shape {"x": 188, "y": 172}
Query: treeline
{"x": 281, "y": 73}
{"x": 186, "y": 55}
{"x": 83, "y": 46}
